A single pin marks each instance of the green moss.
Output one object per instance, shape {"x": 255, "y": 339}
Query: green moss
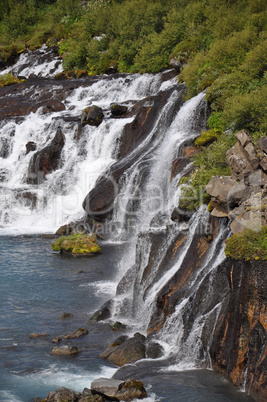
{"x": 247, "y": 245}
{"x": 79, "y": 244}
{"x": 9, "y": 79}
{"x": 206, "y": 137}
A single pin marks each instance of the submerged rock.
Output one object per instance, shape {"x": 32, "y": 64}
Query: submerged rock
{"x": 64, "y": 350}
{"x": 35, "y": 335}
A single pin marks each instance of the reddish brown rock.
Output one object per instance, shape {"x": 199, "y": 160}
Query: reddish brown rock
{"x": 239, "y": 346}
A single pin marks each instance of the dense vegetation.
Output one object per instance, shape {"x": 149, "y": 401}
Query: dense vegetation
{"x": 249, "y": 245}
{"x": 219, "y": 46}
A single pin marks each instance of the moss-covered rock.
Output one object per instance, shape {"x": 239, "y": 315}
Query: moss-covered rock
{"x": 77, "y": 244}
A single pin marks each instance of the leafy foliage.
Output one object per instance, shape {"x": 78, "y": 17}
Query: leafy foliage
{"x": 210, "y": 162}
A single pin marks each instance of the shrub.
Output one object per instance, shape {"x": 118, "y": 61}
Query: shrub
{"x": 247, "y": 245}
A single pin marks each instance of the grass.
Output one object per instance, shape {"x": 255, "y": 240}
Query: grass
{"x": 248, "y": 245}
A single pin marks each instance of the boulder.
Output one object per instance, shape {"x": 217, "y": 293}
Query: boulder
{"x": 62, "y": 394}
{"x": 64, "y": 350}
{"x": 54, "y": 105}
{"x": 76, "y": 334}
{"x": 154, "y": 350}
{"x": 92, "y": 115}
{"x": 46, "y": 160}
{"x": 118, "y": 110}
{"x": 219, "y": 188}
{"x": 106, "y": 386}
{"x": 103, "y": 313}
{"x": 119, "y": 389}
{"x": 129, "y": 351}
{"x": 238, "y": 162}
{"x": 238, "y": 194}
{"x": 219, "y": 212}
{"x": 35, "y": 335}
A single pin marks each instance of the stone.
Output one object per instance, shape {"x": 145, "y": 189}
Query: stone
{"x": 65, "y": 316}
{"x": 106, "y": 386}
{"x": 103, "y": 313}
{"x": 154, "y": 350}
{"x": 36, "y": 335}
{"x": 190, "y": 151}
{"x": 118, "y": 110}
{"x": 76, "y": 334}
{"x": 238, "y": 194}
{"x": 219, "y": 187}
{"x": 64, "y": 350}
{"x": 62, "y": 394}
{"x": 238, "y": 162}
{"x": 256, "y": 179}
{"x": 262, "y": 144}
{"x": 30, "y": 146}
{"x": 47, "y": 160}
{"x": 243, "y": 137}
{"x": 118, "y": 341}
{"x": 119, "y": 389}
{"x": 263, "y": 164}
{"x": 92, "y": 115}
{"x": 178, "y": 165}
{"x": 219, "y": 212}
{"x": 252, "y": 155}
{"x": 130, "y": 351}
{"x": 131, "y": 389}
{"x": 54, "y": 105}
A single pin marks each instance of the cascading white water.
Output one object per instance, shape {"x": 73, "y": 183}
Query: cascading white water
{"x": 42, "y": 62}
{"x": 58, "y": 200}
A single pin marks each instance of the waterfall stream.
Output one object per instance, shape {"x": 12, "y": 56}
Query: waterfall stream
{"x": 159, "y": 250}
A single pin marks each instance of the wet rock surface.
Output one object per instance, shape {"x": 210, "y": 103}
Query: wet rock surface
{"x": 46, "y": 160}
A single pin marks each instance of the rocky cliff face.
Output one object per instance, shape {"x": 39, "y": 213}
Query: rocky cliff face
{"x": 239, "y": 344}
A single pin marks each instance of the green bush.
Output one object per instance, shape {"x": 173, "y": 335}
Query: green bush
{"x": 247, "y": 245}
{"x": 76, "y": 244}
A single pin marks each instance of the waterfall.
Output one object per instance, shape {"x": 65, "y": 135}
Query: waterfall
{"x": 158, "y": 249}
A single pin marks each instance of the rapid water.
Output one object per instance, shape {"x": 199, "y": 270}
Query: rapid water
{"x": 37, "y": 285}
